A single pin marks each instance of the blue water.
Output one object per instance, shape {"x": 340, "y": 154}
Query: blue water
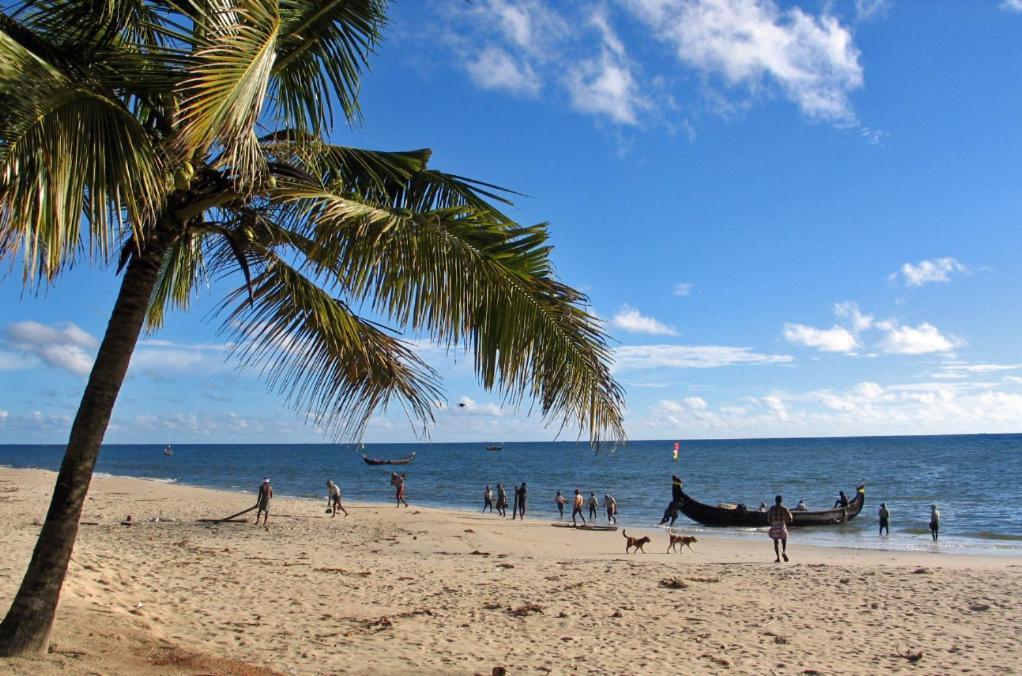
{"x": 974, "y": 479}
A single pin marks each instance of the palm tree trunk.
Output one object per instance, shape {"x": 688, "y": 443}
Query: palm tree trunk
{"x": 26, "y": 627}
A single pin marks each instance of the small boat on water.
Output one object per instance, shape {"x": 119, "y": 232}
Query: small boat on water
{"x": 740, "y": 515}
{"x": 168, "y": 450}
{"x": 495, "y": 447}
{"x": 382, "y": 461}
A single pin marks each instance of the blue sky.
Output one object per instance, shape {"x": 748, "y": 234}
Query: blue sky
{"x": 797, "y": 219}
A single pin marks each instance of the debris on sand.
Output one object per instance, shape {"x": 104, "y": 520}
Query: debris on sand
{"x": 527, "y": 609}
{"x": 673, "y": 583}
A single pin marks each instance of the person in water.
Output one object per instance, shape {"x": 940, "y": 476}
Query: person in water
{"x": 934, "y": 522}
{"x": 594, "y": 505}
{"x": 779, "y": 519}
{"x": 501, "y": 500}
{"x": 577, "y": 508}
{"x": 263, "y": 503}
{"x": 676, "y": 498}
{"x": 885, "y": 519}
{"x": 333, "y": 498}
{"x": 560, "y": 501}
{"x": 801, "y": 506}
{"x": 488, "y": 499}
{"x": 611, "y": 504}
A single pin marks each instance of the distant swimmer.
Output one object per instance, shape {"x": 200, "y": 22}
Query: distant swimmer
{"x": 934, "y": 522}
{"x": 885, "y": 519}
{"x": 779, "y": 519}
{"x": 333, "y": 498}
{"x": 577, "y": 508}
{"x": 263, "y": 503}
{"x": 611, "y": 504}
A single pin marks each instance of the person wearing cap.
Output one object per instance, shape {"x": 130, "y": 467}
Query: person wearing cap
{"x": 263, "y": 503}
{"x": 934, "y": 522}
{"x": 885, "y": 519}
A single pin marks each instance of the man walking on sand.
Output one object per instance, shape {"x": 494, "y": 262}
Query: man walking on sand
{"x": 577, "y": 508}
{"x": 333, "y": 498}
{"x": 594, "y": 505}
{"x": 779, "y": 518}
{"x": 523, "y": 495}
{"x": 611, "y": 504}
{"x": 398, "y": 482}
{"x": 560, "y": 501}
{"x": 263, "y": 503}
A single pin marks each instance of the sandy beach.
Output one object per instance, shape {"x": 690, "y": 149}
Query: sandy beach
{"x": 420, "y": 590}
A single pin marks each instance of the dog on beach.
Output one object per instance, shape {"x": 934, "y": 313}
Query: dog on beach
{"x": 638, "y": 543}
{"x": 683, "y": 540}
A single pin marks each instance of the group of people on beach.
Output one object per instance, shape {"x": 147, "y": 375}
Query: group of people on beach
{"x": 499, "y": 503}
{"x": 609, "y": 503}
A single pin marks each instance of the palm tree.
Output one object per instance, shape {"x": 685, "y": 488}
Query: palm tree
{"x": 186, "y": 140}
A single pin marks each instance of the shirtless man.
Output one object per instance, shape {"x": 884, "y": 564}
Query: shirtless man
{"x": 779, "y": 517}
{"x": 577, "y": 508}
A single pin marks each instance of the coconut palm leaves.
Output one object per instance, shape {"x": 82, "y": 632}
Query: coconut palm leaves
{"x": 135, "y": 121}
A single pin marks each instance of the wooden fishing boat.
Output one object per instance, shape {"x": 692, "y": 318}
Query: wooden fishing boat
{"x": 585, "y": 527}
{"x": 740, "y": 515}
{"x": 381, "y": 461}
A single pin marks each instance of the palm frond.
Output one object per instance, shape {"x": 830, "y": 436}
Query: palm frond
{"x": 468, "y": 279}
{"x": 324, "y": 47}
{"x": 68, "y": 151}
{"x": 330, "y": 364}
{"x": 226, "y": 89}
{"x": 182, "y": 270}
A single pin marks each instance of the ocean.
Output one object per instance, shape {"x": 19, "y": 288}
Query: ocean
{"x": 976, "y": 480}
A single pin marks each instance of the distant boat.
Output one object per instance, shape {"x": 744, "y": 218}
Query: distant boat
{"x": 168, "y": 450}
{"x": 495, "y": 447}
{"x": 739, "y": 515}
{"x": 381, "y": 461}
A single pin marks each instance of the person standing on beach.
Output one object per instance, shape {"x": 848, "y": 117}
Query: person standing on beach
{"x": 611, "y": 504}
{"x": 934, "y": 522}
{"x": 333, "y": 498}
{"x": 593, "y": 506}
{"x": 577, "y": 508}
{"x": 398, "y": 482}
{"x": 523, "y": 495}
{"x": 263, "y": 503}
{"x": 676, "y": 498}
{"x": 488, "y": 499}
{"x": 560, "y": 501}
{"x": 885, "y": 519}
{"x": 514, "y": 506}
{"x": 779, "y": 518}
{"x": 501, "y": 500}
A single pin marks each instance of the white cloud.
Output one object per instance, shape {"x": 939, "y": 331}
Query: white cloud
{"x": 935, "y": 270}
{"x": 690, "y": 356}
{"x": 605, "y": 85}
{"x": 496, "y": 69}
{"x": 695, "y": 403}
{"x": 959, "y": 370}
{"x": 682, "y": 289}
{"x": 850, "y": 310}
{"x": 835, "y": 339}
{"x": 921, "y": 339}
{"x": 812, "y": 59}
{"x": 63, "y": 346}
{"x": 1011, "y": 5}
{"x": 866, "y": 10}
{"x": 630, "y": 319}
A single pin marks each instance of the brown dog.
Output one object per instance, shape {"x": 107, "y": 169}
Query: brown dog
{"x": 682, "y": 540}
{"x": 638, "y": 543}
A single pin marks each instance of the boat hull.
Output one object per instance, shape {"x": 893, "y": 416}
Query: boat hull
{"x": 398, "y": 461}
{"x": 709, "y": 515}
